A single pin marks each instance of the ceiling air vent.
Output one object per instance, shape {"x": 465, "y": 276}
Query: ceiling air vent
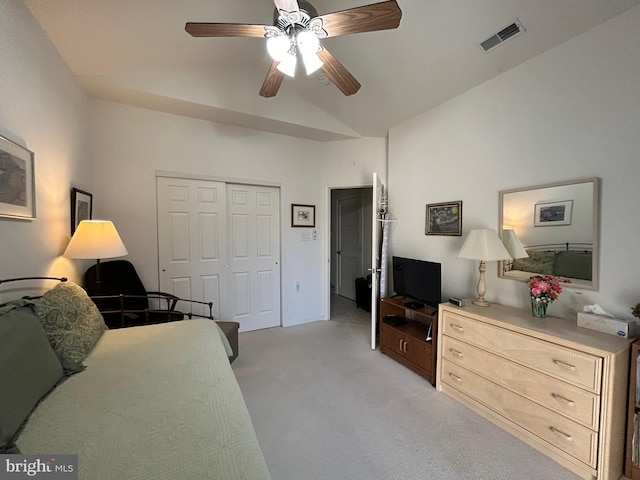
{"x": 503, "y": 35}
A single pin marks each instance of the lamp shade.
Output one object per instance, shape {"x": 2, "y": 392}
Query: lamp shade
{"x": 288, "y": 65}
{"x": 513, "y": 244}
{"x": 308, "y": 42}
{"x": 483, "y": 244}
{"x": 311, "y": 62}
{"x": 278, "y": 47}
{"x": 95, "y": 239}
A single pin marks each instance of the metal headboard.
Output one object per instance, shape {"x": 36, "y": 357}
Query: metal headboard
{"x": 60, "y": 279}
{"x": 562, "y": 247}
{"x": 20, "y": 279}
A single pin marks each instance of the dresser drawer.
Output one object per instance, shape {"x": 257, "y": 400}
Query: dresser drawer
{"x": 563, "y": 434}
{"x": 578, "y": 368}
{"x": 573, "y": 402}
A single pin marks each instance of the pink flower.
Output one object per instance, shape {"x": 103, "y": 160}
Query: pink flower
{"x": 546, "y": 288}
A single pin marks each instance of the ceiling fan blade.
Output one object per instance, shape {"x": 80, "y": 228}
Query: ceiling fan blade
{"x": 338, "y": 74}
{"x": 197, "y": 29}
{"x": 272, "y": 81}
{"x": 287, "y": 5}
{"x": 369, "y": 18}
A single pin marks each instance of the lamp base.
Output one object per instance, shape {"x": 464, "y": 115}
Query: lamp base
{"x": 481, "y": 302}
{"x": 482, "y": 286}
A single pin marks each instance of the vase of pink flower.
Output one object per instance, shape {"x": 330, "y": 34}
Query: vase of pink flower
{"x": 544, "y": 290}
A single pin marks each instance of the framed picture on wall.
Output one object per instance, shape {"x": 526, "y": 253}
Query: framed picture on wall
{"x": 553, "y": 213}
{"x": 444, "y": 219}
{"x": 17, "y": 181}
{"x": 81, "y": 207}
{"x": 303, "y": 215}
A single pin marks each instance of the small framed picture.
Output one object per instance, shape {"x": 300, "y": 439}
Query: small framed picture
{"x": 552, "y": 213}
{"x": 81, "y": 207}
{"x": 444, "y": 219}
{"x": 17, "y": 181}
{"x": 303, "y": 215}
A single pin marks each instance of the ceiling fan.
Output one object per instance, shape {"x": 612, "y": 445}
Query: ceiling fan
{"x": 297, "y": 30}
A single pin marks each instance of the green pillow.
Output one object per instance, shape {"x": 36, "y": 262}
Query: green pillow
{"x": 574, "y": 265}
{"x": 72, "y": 323}
{"x": 29, "y": 369}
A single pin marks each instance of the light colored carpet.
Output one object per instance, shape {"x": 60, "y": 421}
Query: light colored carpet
{"x": 327, "y": 407}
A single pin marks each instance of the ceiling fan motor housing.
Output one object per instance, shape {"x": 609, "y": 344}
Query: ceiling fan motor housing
{"x": 308, "y": 8}
{"x": 306, "y": 13}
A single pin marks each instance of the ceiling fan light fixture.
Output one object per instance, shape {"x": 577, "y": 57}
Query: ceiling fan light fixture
{"x": 308, "y": 42}
{"x": 297, "y": 31}
{"x": 311, "y": 62}
{"x": 278, "y": 47}
{"x": 288, "y": 65}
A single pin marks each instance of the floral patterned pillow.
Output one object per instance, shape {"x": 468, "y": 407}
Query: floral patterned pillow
{"x": 537, "y": 262}
{"x": 72, "y": 322}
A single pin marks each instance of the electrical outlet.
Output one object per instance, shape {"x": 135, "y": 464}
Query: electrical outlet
{"x": 297, "y": 286}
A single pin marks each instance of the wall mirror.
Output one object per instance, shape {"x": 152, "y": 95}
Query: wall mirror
{"x": 552, "y": 229}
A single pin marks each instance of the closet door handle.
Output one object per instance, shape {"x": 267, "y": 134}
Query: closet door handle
{"x": 565, "y": 365}
{"x": 564, "y": 400}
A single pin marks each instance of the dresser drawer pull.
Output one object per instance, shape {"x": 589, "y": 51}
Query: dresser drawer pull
{"x": 561, "y": 434}
{"x": 566, "y": 365}
{"x": 455, "y": 352}
{"x": 564, "y": 400}
{"x": 456, "y": 377}
{"x": 457, "y": 327}
{"x": 400, "y": 345}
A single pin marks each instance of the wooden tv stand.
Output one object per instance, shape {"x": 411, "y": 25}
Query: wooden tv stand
{"x": 407, "y": 343}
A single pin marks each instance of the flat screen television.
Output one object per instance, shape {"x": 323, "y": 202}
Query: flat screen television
{"x": 418, "y": 279}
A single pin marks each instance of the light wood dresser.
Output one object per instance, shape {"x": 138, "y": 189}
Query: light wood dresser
{"x": 560, "y": 388}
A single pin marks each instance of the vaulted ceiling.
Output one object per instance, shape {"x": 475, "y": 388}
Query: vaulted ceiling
{"x": 138, "y": 53}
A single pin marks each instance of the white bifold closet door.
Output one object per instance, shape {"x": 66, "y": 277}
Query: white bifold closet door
{"x": 220, "y": 242}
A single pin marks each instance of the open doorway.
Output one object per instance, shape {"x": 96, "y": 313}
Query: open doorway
{"x": 351, "y": 212}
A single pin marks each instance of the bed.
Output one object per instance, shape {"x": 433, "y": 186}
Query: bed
{"x": 571, "y": 260}
{"x": 150, "y": 402}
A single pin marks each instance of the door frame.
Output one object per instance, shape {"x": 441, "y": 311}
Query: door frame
{"x": 327, "y": 247}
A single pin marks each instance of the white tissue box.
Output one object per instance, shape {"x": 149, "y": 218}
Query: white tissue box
{"x": 612, "y": 326}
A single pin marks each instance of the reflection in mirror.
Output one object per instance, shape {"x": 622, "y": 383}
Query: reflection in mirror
{"x": 552, "y": 229}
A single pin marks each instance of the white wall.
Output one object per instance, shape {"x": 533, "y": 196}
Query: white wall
{"x": 43, "y": 109}
{"x": 572, "y": 112}
{"x": 130, "y": 144}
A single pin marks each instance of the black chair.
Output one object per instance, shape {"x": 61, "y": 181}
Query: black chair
{"x": 124, "y": 302}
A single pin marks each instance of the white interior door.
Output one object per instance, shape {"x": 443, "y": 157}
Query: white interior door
{"x": 349, "y": 245}
{"x": 192, "y": 251}
{"x": 376, "y": 237}
{"x": 220, "y": 242}
{"x": 254, "y": 256}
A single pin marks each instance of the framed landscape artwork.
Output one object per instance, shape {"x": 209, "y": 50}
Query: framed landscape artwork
{"x": 81, "y": 207}
{"x": 303, "y": 215}
{"x": 553, "y": 213}
{"x": 444, "y": 219}
{"x": 17, "y": 181}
